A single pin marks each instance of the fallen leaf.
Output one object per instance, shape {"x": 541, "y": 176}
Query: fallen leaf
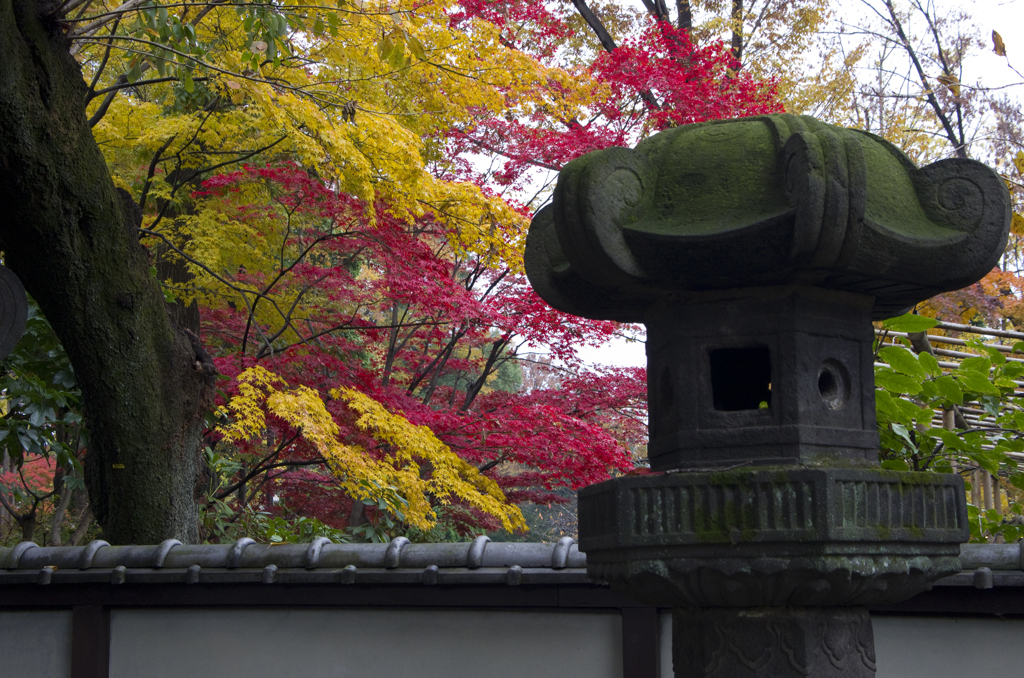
{"x": 951, "y": 82}
{"x": 997, "y": 44}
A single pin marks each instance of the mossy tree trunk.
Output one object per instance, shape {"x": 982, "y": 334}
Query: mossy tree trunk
{"x": 71, "y": 238}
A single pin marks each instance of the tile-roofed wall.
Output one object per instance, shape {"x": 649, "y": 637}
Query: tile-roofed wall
{"x": 399, "y": 562}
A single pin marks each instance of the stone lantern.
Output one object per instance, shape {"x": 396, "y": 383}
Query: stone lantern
{"x": 757, "y": 252}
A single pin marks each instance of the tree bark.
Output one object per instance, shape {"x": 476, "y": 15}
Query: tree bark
{"x": 684, "y": 19}
{"x": 737, "y": 33}
{"x": 60, "y": 507}
{"x": 71, "y": 238}
{"x": 84, "y": 523}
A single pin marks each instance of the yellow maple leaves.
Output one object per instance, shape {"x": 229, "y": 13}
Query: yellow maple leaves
{"x": 409, "y": 459}
{"x": 363, "y": 100}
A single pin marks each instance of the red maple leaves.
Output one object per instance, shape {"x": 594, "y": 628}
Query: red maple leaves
{"x": 657, "y": 79}
{"x": 392, "y": 310}
{"x": 352, "y": 296}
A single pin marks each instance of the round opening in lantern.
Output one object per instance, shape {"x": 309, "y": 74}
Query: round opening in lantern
{"x": 832, "y": 385}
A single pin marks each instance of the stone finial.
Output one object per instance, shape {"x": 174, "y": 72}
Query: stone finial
{"x": 770, "y": 200}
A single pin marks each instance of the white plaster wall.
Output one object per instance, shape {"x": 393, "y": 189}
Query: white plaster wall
{"x": 937, "y": 647}
{"x": 272, "y": 643}
{"x": 666, "y": 643}
{"x": 35, "y": 644}
{"x": 277, "y": 643}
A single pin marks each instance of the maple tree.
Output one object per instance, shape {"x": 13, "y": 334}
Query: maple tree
{"x": 613, "y": 93}
{"x": 790, "y": 41}
{"x": 119, "y": 45}
{"x": 540, "y": 441}
{"x": 400, "y": 292}
{"x": 405, "y": 323}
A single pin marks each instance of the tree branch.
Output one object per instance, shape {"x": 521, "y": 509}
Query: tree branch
{"x": 103, "y": 63}
{"x": 958, "y": 145}
{"x": 596, "y": 25}
{"x": 608, "y": 42}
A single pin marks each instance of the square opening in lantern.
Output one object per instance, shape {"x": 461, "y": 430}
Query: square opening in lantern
{"x": 741, "y": 378}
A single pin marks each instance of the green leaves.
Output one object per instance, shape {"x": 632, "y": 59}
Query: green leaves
{"x": 973, "y": 381}
{"x": 909, "y": 322}
{"x": 904, "y": 362}
{"x": 979, "y": 365}
{"x": 42, "y": 398}
{"x": 911, "y": 388}
{"x": 134, "y": 73}
{"x": 895, "y": 465}
{"x": 950, "y": 390}
{"x": 929, "y": 364}
{"x": 896, "y": 383}
{"x": 901, "y": 431}
{"x": 416, "y": 47}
